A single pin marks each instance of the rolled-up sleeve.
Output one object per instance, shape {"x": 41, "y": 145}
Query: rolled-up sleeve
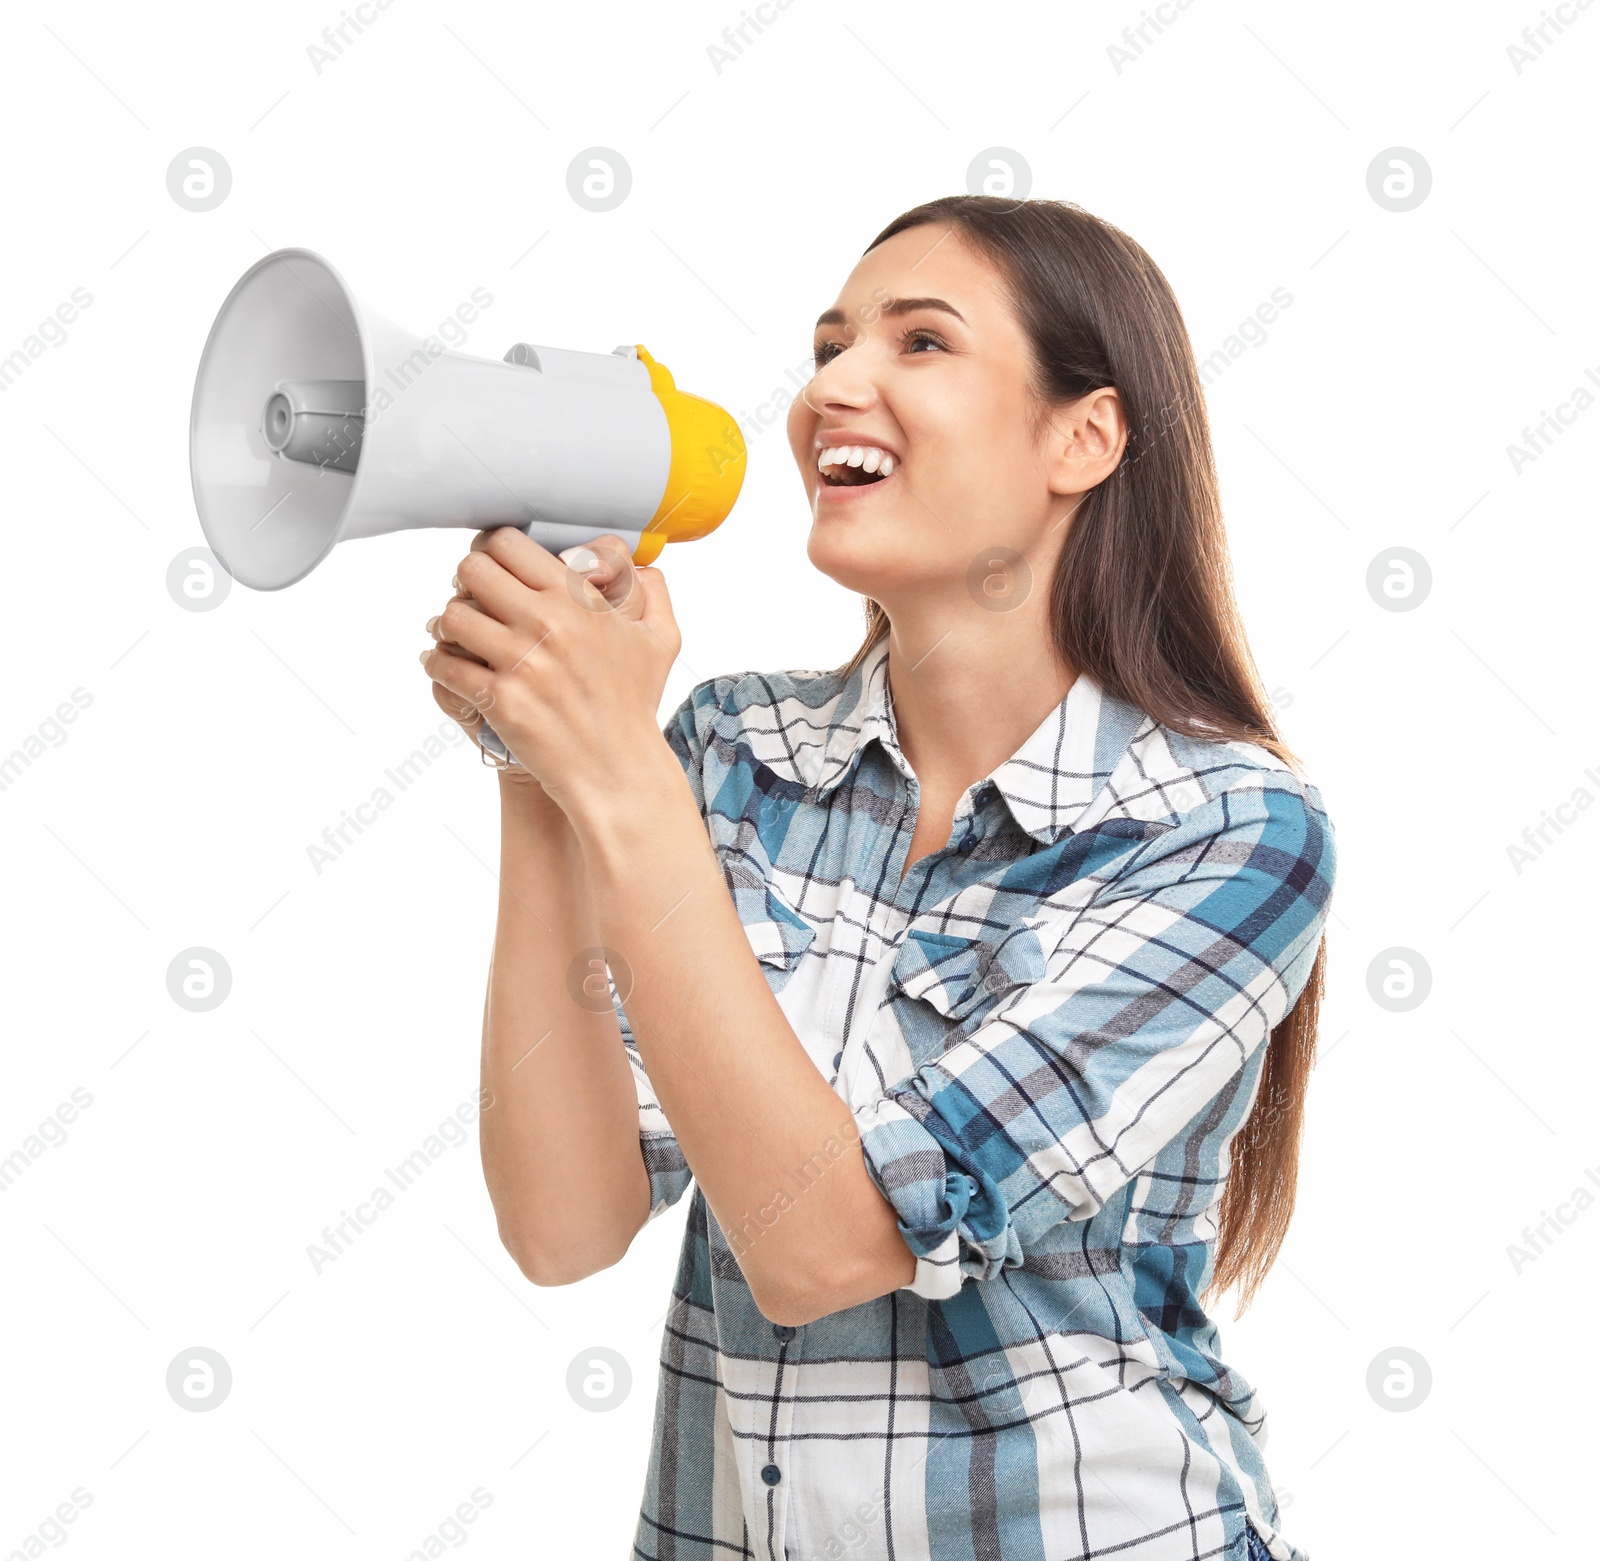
{"x": 663, "y": 1158}
{"x": 1159, "y": 991}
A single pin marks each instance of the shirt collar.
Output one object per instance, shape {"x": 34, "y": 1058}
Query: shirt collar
{"x": 1047, "y": 784}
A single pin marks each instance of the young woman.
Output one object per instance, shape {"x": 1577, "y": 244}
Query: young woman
{"x": 973, "y": 983}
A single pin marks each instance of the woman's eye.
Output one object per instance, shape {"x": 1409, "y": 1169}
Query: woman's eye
{"x": 829, "y": 350}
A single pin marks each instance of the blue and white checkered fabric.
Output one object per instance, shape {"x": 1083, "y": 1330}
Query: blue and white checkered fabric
{"x": 1048, "y": 1033}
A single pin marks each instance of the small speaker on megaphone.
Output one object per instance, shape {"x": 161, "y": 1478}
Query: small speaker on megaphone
{"x": 316, "y": 420}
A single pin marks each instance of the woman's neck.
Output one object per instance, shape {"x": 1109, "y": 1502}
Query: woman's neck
{"x": 967, "y": 694}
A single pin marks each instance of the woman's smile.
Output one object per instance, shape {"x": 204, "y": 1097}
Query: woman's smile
{"x": 847, "y": 485}
{"x": 848, "y": 464}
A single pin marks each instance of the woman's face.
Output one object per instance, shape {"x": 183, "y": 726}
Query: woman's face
{"x": 922, "y": 356}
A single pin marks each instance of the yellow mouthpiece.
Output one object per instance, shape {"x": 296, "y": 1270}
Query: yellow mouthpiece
{"x": 707, "y": 469}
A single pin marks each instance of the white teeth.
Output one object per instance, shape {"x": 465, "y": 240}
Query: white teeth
{"x": 868, "y": 457}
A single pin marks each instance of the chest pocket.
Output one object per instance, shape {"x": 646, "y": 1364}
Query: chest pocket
{"x": 962, "y": 980}
{"x": 778, "y": 933}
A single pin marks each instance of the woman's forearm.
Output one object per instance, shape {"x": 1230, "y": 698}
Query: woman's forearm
{"x": 773, "y": 1148}
{"x": 560, "y": 1141}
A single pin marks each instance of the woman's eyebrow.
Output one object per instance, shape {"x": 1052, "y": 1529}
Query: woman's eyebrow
{"x": 896, "y": 307}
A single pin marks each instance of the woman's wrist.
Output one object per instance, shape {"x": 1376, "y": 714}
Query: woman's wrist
{"x": 522, "y": 796}
{"x": 619, "y": 825}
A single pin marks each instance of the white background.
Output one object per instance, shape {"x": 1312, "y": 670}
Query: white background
{"x": 430, "y": 158}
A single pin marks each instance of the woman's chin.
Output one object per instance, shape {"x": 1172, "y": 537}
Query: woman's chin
{"x": 865, "y": 563}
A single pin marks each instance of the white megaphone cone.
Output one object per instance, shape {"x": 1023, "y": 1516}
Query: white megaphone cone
{"x": 315, "y": 421}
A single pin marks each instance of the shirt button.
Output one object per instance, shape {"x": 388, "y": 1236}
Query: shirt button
{"x": 783, "y": 1331}
{"x": 772, "y": 1474}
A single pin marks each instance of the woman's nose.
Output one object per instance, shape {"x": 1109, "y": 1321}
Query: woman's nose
{"x": 840, "y": 383}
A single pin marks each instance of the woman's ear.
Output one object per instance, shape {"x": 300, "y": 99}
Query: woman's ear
{"x": 1086, "y": 441}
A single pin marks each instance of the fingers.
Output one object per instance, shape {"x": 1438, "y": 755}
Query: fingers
{"x": 464, "y": 627}
{"x": 613, "y": 555}
{"x": 653, "y": 611}
{"x": 493, "y": 588}
{"x": 460, "y": 710}
{"x": 465, "y": 679}
{"x": 499, "y": 568}
{"x": 519, "y": 555}
{"x": 656, "y": 609}
{"x": 612, "y": 575}
{"x": 432, "y": 627}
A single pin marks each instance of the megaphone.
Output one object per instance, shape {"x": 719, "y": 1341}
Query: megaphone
{"x": 316, "y": 420}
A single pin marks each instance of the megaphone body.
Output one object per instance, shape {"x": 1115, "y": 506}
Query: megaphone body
{"x": 316, "y": 420}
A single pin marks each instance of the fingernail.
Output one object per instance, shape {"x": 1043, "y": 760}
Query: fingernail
{"x": 580, "y": 558}
{"x": 422, "y": 656}
{"x": 429, "y": 625}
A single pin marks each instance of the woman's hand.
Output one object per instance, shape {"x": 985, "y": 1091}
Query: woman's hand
{"x": 568, "y": 664}
{"x": 612, "y": 576}
{"x": 463, "y": 712}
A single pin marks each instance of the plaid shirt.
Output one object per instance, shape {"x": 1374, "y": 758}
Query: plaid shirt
{"x": 1048, "y": 1034}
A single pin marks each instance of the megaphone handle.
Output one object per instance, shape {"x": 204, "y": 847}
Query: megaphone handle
{"x": 492, "y": 740}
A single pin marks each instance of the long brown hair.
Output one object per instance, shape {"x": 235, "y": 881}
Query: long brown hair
{"x": 1142, "y": 599}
